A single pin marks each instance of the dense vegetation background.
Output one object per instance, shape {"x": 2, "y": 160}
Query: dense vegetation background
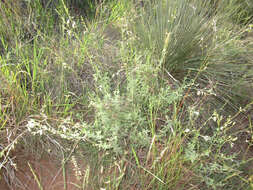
{"x": 144, "y": 94}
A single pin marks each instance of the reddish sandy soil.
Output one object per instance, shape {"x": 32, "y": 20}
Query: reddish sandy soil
{"x": 48, "y": 172}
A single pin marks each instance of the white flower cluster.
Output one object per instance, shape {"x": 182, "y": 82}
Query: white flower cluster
{"x": 70, "y": 26}
{"x": 65, "y": 130}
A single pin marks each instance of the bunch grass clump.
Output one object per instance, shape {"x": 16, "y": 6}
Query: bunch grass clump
{"x": 202, "y": 44}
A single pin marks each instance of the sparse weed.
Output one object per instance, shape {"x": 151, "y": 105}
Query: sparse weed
{"x": 155, "y": 95}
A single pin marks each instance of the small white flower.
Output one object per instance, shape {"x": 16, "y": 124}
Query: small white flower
{"x": 196, "y": 113}
{"x": 63, "y": 136}
{"x": 69, "y": 32}
{"x": 40, "y": 132}
{"x": 64, "y": 65}
{"x": 44, "y": 127}
{"x": 187, "y": 130}
{"x": 31, "y": 124}
{"x": 64, "y": 128}
{"x": 73, "y": 24}
{"x": 206, "y": 138}
{"x": 68, "y": 21}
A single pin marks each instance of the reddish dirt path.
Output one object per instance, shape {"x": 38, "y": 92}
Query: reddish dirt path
{"x": 47, "y": 170}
